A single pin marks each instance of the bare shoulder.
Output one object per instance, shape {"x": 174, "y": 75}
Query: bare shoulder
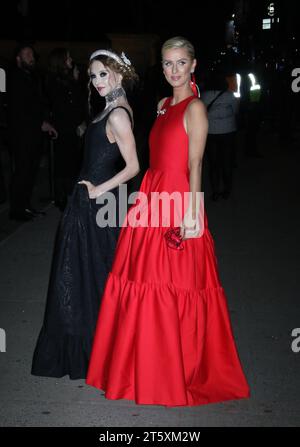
{"x": 196, "y": 116}
{"x": 196, "y": 108}
{"x": 119, "y": 117}
{"x": 161, "y": 102}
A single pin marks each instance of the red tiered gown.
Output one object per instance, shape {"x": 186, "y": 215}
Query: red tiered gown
{"x": 163, "y": 335}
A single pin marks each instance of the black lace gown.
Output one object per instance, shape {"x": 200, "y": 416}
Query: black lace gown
{"x": 82, "y": 259}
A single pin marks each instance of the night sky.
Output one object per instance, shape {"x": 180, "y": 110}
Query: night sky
{"x": 67, "y": 20}
{"x": 201, "y": 22}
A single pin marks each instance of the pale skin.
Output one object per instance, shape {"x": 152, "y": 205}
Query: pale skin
{"x": 177, "y": 68}
{"x": 118, "y": 129}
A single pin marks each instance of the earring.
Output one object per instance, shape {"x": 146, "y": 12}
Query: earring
{"x": 194, "y": 86}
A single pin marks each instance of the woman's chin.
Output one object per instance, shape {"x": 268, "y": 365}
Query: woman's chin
{"x": 101, "y": 92}
{"x": 176, "y": 84}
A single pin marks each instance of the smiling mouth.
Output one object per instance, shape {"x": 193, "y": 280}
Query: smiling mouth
{"x": 175, "y": 78}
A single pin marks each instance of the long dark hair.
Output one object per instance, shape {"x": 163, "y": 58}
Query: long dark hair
{"x": 57, "y": 63}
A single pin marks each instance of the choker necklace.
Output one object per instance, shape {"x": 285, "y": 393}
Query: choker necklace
{"x": 115, "y": 94}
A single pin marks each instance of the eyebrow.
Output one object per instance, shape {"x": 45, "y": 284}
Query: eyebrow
{"x": 182, "y": 59}
{"x": 101, "y": 71}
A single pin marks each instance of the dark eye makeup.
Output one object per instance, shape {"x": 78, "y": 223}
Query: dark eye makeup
{"x": 102, "y": 74}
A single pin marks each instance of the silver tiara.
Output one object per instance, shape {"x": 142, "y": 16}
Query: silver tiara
{"x": 123, "y": 60}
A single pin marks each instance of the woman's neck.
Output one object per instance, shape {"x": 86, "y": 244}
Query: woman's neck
{"x": 115, "y": 96}
{"x": 181, "y": 93}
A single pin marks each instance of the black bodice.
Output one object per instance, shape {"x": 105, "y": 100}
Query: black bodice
{"x": 82, "y": 259}
{"x": 102, "y": 158}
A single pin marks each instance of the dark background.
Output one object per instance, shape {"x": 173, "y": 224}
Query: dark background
{"x": 67, "y": 19}
{"x": 204, "y": 22}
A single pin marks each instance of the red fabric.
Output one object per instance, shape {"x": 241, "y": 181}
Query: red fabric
{"x": 194, "y": 85}
{"x": 164, "y": 335}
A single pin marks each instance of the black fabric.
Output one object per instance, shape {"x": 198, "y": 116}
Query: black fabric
{"x": 27, "y": 110}
{"x": 82, "y": 259}
{"x": 66, "y": 102}
{"x": 67, "y": 106}
{"x": 220, "y": 154}
{"x": 26, "y": 150}
{"x": 27, "y": 106}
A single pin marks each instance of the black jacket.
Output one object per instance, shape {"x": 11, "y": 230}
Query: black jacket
{"x": 27, "y": 107}
{"x": 66, "y": 103}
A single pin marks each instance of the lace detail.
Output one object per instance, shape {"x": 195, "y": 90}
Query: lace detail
{"x": 82, "y": 259}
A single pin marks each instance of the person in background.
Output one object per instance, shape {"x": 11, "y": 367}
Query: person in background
{"x": 27, "y": 120}
{"x": 252, "y": 95}
{"x": 67, "y": 106}
{"x": 222, "y": 108}
{"x": 3, "y": 125}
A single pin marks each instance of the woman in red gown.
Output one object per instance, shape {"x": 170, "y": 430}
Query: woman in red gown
{"x": 163, "y": 334}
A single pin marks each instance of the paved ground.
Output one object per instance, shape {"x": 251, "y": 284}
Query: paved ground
{"x": 257, "y": 240}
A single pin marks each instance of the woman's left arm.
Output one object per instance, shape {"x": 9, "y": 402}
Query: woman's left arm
{"x": 196, "y": 125}
{"x": 120, "y": 127}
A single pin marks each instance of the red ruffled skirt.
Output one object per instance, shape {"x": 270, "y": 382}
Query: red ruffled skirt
{"x": 164, "y": 335}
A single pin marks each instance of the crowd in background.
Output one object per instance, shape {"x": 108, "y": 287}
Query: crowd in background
{"x": 51, "y": 106}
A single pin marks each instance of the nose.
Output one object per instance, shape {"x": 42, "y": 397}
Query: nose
{"x": 174, "y": 68}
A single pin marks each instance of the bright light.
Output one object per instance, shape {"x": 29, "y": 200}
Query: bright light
{"x": 254, "y": 86}
{"x": 271, "y": 9}
{"x": 237, "y": 94}
{"x": 266, "y": 24}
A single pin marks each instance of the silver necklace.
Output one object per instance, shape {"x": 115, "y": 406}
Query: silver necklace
{"x": 115, "y": 94}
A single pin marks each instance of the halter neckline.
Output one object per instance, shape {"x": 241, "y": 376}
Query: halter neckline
{"x": 174, "y": 105}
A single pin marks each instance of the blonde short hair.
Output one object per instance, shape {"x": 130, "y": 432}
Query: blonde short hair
{"x": 179, "y": 42}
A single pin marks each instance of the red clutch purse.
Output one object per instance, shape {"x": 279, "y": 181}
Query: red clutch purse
{"x": 174, "y": 239}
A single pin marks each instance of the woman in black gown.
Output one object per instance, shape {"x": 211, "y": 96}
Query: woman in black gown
{"x": 84, "y": 251}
